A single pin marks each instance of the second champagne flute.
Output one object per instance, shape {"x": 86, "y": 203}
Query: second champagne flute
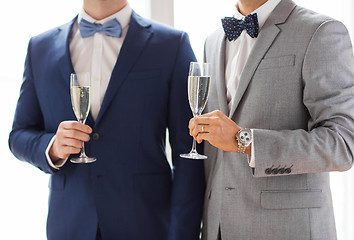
{"x": 198, "y": 91}
{"x": 80, "y": 99}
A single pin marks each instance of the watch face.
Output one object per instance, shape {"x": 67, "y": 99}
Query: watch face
{"x": 244, "y": 137}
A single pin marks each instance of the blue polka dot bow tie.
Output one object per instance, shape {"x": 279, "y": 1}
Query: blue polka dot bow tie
{"x": 233, "y": 27}
{"x": 111, "y": 28}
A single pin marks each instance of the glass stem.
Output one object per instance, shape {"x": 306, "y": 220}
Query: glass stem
{"x": 194, "y": 146}
{"x": 83, "y": 154}
{"x": 83, "y": 150}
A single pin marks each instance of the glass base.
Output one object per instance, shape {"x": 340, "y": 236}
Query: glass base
{"x": 193, "y": 155}
{"x": 83, "y": 160}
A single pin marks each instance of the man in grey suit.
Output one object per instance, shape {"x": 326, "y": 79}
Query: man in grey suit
{"x": 280, "y": 118}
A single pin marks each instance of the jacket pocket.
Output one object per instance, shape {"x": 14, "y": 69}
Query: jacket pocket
{"x": 277, "y": 62}
{"x": 292, "y": 199}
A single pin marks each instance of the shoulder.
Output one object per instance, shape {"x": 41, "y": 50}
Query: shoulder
{"x": 52, "y": 34}
{"x": 215, "y": 37}
{"x": 309, "y": 19}
{"x": 158, "y": 28}
{"x": 162, "y": 38}
{"x": 303, "y": 24}
{"x": 309, "y": 15}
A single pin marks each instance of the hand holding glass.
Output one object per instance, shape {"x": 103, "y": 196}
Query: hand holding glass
{"x": 80, "y": 100}
{"x": 198, "y": 91}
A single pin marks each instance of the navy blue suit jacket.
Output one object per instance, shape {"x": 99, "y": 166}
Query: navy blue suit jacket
{"x": 130, "y": 191}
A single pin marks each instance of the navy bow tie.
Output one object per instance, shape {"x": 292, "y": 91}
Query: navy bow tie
{"x": 233, "y": 27}
{"x": 111, "y": 28}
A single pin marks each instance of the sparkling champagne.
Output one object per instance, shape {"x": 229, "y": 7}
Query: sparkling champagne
{"x": 198, "y": 91}
{"x": 80, "y": 99}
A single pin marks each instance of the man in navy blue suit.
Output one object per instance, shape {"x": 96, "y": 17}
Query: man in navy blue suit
{"x": 139, "y": 73}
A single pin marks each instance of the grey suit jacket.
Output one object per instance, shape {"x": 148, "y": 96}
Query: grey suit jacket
{"x": 296, "y": 92}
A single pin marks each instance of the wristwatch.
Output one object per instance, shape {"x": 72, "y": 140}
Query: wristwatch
{"x": 244, "y": 139}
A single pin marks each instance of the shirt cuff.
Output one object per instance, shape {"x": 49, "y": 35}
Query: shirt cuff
{"x": 59, "y": 163}
{"x": 252, "y": 160}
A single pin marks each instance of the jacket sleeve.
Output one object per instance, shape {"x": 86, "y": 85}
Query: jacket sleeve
{"x": 328, "y": 143}
{"x": 188, "y": 180}
{"x": 27, "y": 139}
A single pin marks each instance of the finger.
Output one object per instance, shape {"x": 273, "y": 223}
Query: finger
{"x": 193, "y": 122}
{"x": 204, "y": 128}
{"x": 71, "y": 142}
{"x": 73, "y": 125}
{"x": 62, "y": 151}
{"x": 66, "y": 134}
{"x": 209, "y": 114}
{"x": 193, "y": 132}
{"x": 196, "y": 130}
{"x": 215, "y": 113}
{"x": 201, "y": 137}
{"x": 206, "y": 120}
{"x": 191, "y": 126}
{"x": 68, "y": 150}
{"x": 81, "y": 136}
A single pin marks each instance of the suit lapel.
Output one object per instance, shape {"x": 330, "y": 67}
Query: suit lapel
{"x": 64, "y": 57}
{"x": 63, "y": 50}
{"x": 219, "y": 62}
{"x": 137, "y": 37}
{"x": 264, "y": 41}
{"x": 218, "y": 67}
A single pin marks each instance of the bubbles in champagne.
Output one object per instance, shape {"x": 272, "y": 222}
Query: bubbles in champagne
{"x": 80, "y": 99}
{"x": 198, "y": 91}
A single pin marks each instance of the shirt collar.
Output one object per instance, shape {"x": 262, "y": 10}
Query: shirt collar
{"x": 263, "y": 11}
{"x": 123, "y": 16}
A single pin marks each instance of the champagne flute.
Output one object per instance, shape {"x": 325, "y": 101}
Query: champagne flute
{"x": 198, "y": 91}
{"x": 80, "y": 100}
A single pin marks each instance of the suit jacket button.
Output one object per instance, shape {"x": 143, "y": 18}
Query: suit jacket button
{"x": 287, "y": 170}
{"x": 275, "y": 171}
{"x": 268, "y": 171}
{"x": 281, "y": 170}
{"x": 95, "y": 136}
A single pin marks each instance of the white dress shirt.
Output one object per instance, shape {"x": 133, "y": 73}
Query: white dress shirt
{"x": 96, "y": 54}
{"x": 237, "y": 53}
